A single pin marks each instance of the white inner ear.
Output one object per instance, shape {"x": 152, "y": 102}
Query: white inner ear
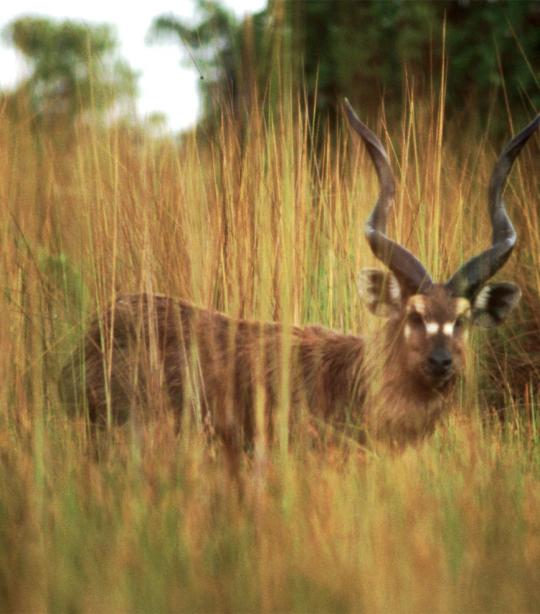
{"x": 366, "y": 287}
{"x": 372, "y": 281}
{"x": 380, "y": 291}
{"x": 482, "y": 299}
{"x": 393, "y": 289}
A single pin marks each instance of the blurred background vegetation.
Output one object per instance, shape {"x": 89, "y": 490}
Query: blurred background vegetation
{"x": 370, "y": 51}
{"x": 73, "y": 67}
{"x": 374, "y": 52}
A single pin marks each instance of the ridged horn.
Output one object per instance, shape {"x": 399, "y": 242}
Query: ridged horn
{"x": 409, "y": 271}
{"x": 470, "y": 278}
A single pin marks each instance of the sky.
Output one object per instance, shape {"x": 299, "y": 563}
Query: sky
{"x": 167, "y": 84}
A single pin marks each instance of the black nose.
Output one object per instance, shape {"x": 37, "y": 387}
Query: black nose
{"x": 440, "y": 362}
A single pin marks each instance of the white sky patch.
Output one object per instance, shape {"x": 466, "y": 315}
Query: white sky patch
{"x": 166, "y": 83}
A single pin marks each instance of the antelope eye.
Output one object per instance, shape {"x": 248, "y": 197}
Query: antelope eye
{"x": 415, "y": 319}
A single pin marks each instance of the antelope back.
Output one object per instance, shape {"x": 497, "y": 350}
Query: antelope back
{"x": 150, "y": 353}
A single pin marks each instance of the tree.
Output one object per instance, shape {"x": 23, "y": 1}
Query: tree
{"x": 363, "y": 50}
{"x": 73, "y": 66}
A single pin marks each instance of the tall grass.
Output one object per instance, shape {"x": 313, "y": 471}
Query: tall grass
{"x": 259, "y": 226}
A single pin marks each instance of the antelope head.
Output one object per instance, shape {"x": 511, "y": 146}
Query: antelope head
{"x": 431, "y": 320}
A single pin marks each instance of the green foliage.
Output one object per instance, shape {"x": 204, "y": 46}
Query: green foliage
{"x": 365, "y": 50}
{"x": 74, "y": 67}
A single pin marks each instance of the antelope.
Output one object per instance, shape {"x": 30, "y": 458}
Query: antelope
{"x": 147, "y": 350}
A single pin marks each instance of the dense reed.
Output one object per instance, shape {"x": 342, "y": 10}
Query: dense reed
{"x": 258, "y": 225}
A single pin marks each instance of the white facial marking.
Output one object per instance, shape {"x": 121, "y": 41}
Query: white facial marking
{"x": 432, "y": 328}
{"x": 462, "y": 306}
{"x": 407, "y": 331}
{"x": 419, "y": 304}
{"x": 448, "y": 329}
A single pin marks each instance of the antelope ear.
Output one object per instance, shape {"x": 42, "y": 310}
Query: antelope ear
{"x": 380, "y": 291}
{"x": 494, "y": 302}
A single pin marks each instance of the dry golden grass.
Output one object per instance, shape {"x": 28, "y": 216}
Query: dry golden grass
{"x": 258, "y": 226}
